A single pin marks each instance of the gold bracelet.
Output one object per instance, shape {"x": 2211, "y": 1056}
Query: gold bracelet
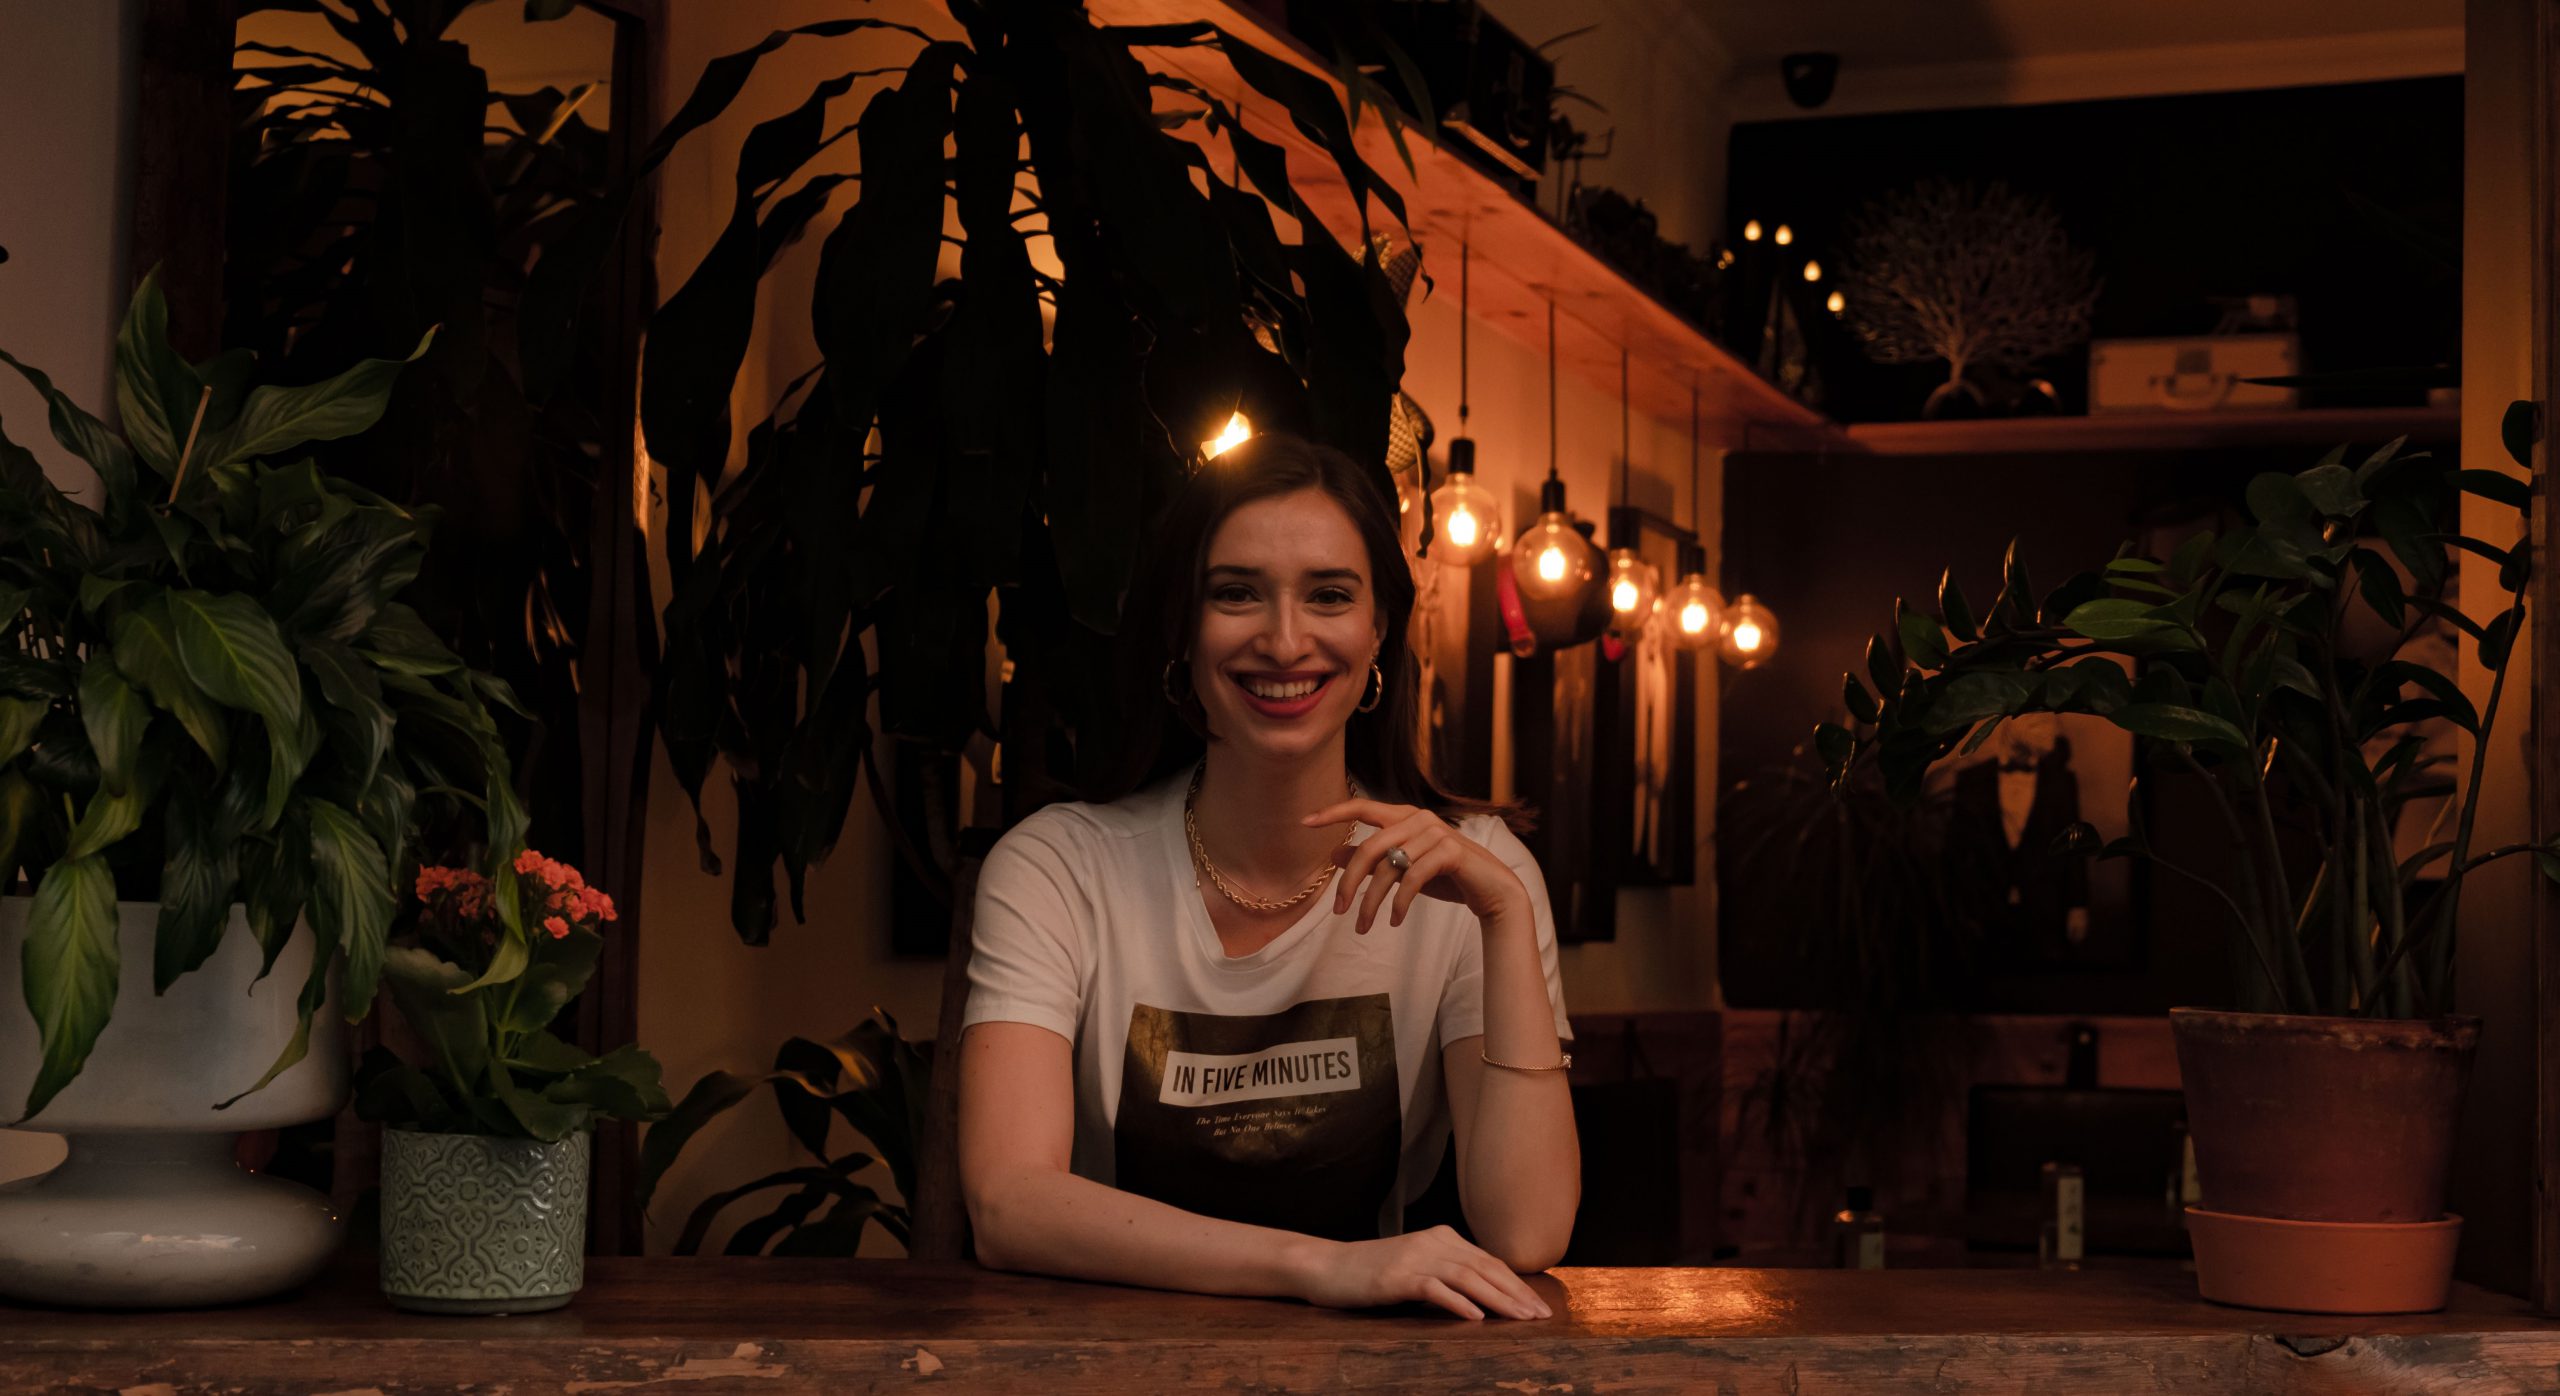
{"x": 1559, "y": 1066}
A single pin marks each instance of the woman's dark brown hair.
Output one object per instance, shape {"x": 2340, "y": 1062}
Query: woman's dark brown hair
{"x": 1162, "y": 613}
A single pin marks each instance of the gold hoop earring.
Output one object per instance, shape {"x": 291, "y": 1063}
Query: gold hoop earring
{"x": 1380, "y": 680}
{"x": 1169, "y": 695}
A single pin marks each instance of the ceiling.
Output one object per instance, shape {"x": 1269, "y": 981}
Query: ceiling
{"x": 1900, "y": 33}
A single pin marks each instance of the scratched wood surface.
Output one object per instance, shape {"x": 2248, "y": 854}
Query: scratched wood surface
{"x": 712, "y": 1325}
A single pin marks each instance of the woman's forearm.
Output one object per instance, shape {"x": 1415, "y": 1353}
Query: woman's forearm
{"x": 1053, "y": 1222}
{"x": 1524, "y": 1165}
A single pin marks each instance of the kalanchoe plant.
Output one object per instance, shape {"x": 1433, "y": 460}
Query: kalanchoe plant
{"x": 496, "y": 1068}
{"x": 209, "y": 694}
{"x": 2229, "y": 660}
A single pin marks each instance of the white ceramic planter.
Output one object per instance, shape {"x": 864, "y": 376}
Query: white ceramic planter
{"x": 149, "y": 1210}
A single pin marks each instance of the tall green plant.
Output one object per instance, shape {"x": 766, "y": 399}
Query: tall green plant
{"x": 2229, "y": 660}
{"x": 1004, "y": 432}
{"x": 380, "y": 185}
{"x": 211, "y": 693}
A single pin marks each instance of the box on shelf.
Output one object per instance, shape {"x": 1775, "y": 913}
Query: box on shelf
{"x": 2195, "y": 373}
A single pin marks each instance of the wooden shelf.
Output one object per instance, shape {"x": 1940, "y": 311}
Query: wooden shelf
{"x": 1520, "y": 260}
{"x": 2313, "y": 428}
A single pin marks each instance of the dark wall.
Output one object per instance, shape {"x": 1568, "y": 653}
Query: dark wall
{"x": 2348, "y": 197}
{"x": 1828, "y": 542}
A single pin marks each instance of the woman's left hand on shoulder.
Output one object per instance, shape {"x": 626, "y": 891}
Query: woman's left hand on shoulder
{"x": 1445, "y": 864}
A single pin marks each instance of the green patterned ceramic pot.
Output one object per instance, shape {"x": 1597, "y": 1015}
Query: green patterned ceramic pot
{"x": 473, "y": 1224}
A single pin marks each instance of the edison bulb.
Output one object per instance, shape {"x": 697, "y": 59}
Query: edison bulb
{"x": 1696, "y": 608}
{"x": 1748, "y": 634}
{"x": 1470, "y": 518}
{"x": 1551, "y": 559}
{"x": 1237, "y": 431}
{"x": 1634, "y": 586}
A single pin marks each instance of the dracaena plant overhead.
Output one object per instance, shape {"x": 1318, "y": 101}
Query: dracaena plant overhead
{"x": 211, "y": 693}
{"x": 2232, "y": 661}
{"x": 1005, "y": 428}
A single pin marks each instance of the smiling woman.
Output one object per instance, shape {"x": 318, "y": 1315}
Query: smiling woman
{"x": 1175, "y": 1070}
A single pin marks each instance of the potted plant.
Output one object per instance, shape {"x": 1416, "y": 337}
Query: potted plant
{"x": 485, "y": 1147}
{"x": 2322, "y": 1118}
{"x": 218, "y": 723}
{"x": 867, "y": 1076}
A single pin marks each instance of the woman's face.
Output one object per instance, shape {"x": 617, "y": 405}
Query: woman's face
{"x": 1288, "y": 625}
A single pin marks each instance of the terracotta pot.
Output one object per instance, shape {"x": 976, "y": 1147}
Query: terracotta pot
{"x": 2323, "y": 1119}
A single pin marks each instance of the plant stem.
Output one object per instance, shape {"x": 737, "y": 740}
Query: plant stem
{"x": 204, "y": 398}
{"x": 2239, "y": 915}
{"x": 2438, "y": 987}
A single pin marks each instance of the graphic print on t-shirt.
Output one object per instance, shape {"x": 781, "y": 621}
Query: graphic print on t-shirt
{"x": 1288, "y": 1119}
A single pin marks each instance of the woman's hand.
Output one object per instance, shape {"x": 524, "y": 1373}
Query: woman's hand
{"x": 1445, "y": 864}
{"x": 1437, "y": 1266}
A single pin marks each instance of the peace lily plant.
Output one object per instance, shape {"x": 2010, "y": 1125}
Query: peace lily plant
{"x": 210, "y": 695}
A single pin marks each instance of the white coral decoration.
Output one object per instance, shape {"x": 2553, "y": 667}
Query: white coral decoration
{"x": 1981, "y": 278}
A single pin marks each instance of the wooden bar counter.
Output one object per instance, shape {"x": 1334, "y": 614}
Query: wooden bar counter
{"x": 705, "y": 1326}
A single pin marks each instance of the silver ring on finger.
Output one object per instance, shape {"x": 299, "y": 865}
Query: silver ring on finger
{"x": 1399, "y": 860}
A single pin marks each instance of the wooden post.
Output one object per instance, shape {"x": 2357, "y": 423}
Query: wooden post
{"x": 2542, "y": 618}
{"x": 615, "y": 720}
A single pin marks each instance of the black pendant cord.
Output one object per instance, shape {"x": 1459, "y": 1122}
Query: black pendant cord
{"x": 1626, "y": 495}
{"x": 1697, "y": 489}
{"x": 1465, "y": 259}
{"x": 1551, "y": 388}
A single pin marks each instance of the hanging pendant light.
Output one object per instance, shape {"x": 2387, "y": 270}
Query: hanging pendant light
{"x": 1635, "y": 585}
{"x": 1696, "y": 607}
{"x": 1470, "y": 514}
{"x": 1551, "y": 559}
{"x": 1749, "y": 634}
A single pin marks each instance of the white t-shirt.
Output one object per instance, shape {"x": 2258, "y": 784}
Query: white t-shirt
{"x": 1297, "y": 1087}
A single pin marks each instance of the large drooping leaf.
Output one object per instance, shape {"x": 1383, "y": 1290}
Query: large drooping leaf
{"x": 275, "y": 420}
{"x": 18, "y": 719}
{"x": 157, "y": 391}
{"x": 233, "y": 651}
{"x": 146, "y": 651}
{"x": 351, "y": 897}
{"x": 115, "y": 716}
{"x": 196, "y": 888}
{"x": 70, "y": 964}
{"x": 83, "y": 435}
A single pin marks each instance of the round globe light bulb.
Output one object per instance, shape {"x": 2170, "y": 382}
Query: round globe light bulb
{"x": 1751, "y": 231}
{"x": 1749, "y": 634}
{"x": 1634, "y": 586}
{"x": 1551, "y": 559}
{"x": 1837, "y": 303}
{"x": 1813, "y": 271}
{"x": 1785, "y": 235}
{"x": 1695, "y": 608}
{"x": 1470, "y": 519}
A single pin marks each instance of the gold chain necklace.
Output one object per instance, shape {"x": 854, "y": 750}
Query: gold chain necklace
{"x": 1200, "y": 855}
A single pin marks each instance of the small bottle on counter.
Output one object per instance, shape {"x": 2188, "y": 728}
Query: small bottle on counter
{"x": 1857, "y": 1232}
{"x": 2065, "y": 1217}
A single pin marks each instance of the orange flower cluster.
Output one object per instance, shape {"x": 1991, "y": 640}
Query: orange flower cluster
{"x": 555, "y": 889}
{"x": 469, "y": 889}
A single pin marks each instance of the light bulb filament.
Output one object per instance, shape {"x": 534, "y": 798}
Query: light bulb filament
{"x": 1237, "y": 431}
